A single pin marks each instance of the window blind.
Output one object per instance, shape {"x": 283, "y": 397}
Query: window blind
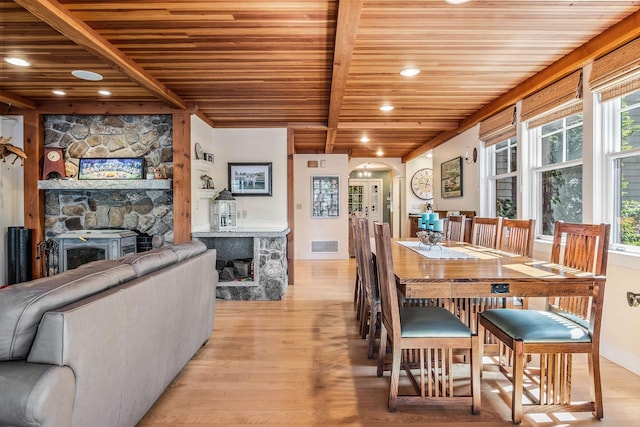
{"x": 560, "y": 99}
{"x": 617, "y": 73}
{"x": 499, "y": 127}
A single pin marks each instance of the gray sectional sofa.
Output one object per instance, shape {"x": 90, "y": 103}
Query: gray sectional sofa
{"x": 96, "y": 346}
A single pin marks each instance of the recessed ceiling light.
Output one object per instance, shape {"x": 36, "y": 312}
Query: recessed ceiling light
{"x": 386, "y": 107}
{"x": 379, "y": 153}
{"x": 410, "y": 72}
{"x": 18, "y": 61}
{"x": 59, "y": 92}
{"x": 364, "y": 139}
{"x": 456, "y": 1}
{"x": 104, "y": 92}
{"x": 87, "y": 75}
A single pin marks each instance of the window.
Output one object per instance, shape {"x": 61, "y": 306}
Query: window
{"x": 558, "y": 172}
{"x": 624, "y": 163}
{"x": 503, "y": 179}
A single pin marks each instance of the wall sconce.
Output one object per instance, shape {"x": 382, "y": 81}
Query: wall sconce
{"x": 633, "y": 299}
{"x": 474, "y": 156}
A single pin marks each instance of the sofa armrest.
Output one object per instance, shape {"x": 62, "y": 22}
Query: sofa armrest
{"x": 35, "y": 394}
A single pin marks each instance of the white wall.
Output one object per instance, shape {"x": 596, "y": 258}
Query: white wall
{"x": 259, "y": 146}
{"x": 11, "y": 187}
{"x": 309, "y": 229}
{"x": 458, "y": 146}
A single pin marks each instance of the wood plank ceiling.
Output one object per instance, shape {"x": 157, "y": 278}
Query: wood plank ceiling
{"x": 322, "y": 68}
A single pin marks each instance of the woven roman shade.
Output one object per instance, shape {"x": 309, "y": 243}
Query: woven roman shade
{"x": 617, "y": 73}
{"x": 560, "y": 99}
{"x": 499, "y": 127}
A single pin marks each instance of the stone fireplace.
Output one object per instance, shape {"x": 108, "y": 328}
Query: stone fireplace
{"x": 135, "y": 208}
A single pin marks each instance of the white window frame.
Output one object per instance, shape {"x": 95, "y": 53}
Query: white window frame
{"x": 609, "y": 118}
{"x": 534, "y": 149}
{"x": 493, "y": 177}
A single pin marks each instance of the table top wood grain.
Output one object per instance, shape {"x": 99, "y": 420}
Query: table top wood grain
{"x": 491, "y": 273}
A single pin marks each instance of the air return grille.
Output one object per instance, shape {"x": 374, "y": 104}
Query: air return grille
{"x": 324, "y": 246}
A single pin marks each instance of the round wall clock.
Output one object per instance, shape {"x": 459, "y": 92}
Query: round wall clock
{"x": 422, "y": 184}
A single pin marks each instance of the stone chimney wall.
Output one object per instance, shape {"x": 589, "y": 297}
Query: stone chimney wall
{"x": 96, "y": 136}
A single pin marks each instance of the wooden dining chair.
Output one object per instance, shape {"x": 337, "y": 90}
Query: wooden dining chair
{"x": 569, "y": 324}
{"x": 517, "y": 236}
{"x": 432, "y": 331}
{"x": 357, "y": 291}
{"x": 455, "y": 228}
{"x": 371, "y": 308}
{"x": 361, "y": 316}
{"x": 486, "y": 231}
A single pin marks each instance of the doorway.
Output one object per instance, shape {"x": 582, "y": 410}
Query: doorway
{"x": 366, "y": 200}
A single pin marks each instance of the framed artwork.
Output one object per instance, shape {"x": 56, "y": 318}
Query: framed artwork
{"x": 111, "y": 168}
{"x": 250, "y": 179}
{"x": 325, "y": 196}
{"x": 451, "y": 178}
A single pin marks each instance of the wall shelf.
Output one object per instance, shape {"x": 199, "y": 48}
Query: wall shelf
{"x": 202, "y": 165}
{"x": 204, "y": 193}
{"x": 105, "y": 184}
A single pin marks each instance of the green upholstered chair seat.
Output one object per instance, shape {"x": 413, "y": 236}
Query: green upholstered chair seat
{"x": 537, "y": 326}
{"x": 431, "y": 322}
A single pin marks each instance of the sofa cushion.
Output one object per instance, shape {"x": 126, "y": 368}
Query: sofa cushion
{"x": 188, "y": 249}
{"x": 147, "y": 262}
{"x": 22, "y": 305}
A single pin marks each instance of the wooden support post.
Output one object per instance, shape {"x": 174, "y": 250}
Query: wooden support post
{"x": 33, "y": 198}
{"x": 181, "y": 177}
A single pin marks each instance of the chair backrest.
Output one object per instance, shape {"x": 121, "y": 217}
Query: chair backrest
{"x": 387, "y": 281}
{"x": 357, "y": 245}
{"x": 517, "y": 235}
{"x": 455, "y": 228}
{"x": 369, "y": 281}
{"x": 583, "y": 247}
{"x": 485, "y": 231}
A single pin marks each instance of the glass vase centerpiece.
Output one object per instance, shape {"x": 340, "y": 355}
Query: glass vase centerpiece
{"x": 431, "y": 229}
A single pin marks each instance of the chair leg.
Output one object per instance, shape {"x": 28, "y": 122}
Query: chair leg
{"x": 596, "y": 385}
{"x": 476, "y": 369}
{"x": 517, "y": 382}
{"x": 481, "y": 335}
{"x": 364, "y": 319}
{"x": 373, "y": 321}
{"x": 394, "y": 378}
{"x": 356, "y": 293}
{"x": 382, "y": 350}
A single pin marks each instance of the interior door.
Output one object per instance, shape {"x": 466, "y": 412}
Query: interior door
{"x": 365, "y": 200}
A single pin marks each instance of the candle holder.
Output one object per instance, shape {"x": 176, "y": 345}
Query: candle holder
{"x": 432, "y": 232}
{"x": 430, "y": 238}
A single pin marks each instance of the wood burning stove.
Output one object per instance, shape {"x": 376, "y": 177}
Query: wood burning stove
{"x": 83, "y": 246}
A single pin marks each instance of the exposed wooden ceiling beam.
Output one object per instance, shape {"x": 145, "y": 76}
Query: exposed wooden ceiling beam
{"x": 621, "y": 33}
{"x": 346, "y": 29}
{"x": 10, "y": 99}
{"x": 61, "y": 19}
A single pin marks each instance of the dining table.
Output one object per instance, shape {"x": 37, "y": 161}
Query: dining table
{"x": 461, "y": 270}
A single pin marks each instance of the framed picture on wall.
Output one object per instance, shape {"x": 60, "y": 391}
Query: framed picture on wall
{"x": 111, "y": 168}
{"x": 250, "y": 179}
{"x": 451, "y": 178}
{"x": 325, "y": 196}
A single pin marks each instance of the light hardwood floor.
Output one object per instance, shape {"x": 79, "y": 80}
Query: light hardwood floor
{"x": 300, "y": 362}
